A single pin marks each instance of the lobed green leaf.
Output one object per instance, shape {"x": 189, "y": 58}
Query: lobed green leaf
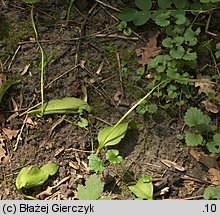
{"x": 92, "y": 189}
{"x": 193, "y": 139}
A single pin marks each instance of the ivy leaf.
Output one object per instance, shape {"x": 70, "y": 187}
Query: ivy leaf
{"x": 194, "y": 116}
{"x": 180, "y": 19}
{"x": 214, "y": 147}
{"x": 112, "y": 156}
{"x": 127, "y": 14}
{"x": 168, "y": 42}
{"x": 162, "y": 19}
{"x": 190, "y": 56}
{"x": 178, "y": 40}
{"x": 177, "y": 53}
{"x": 144, "y": 188}
{"x": 159, "y": 63}
{"x": 144, "y": 5}
{"x": 164, "y": 4}
{"x": 152, "y": 108}
{"x": 193, "y": 139}
{"x": 141, "y": 17}
{"x": 212, "y": 193}
{"x": 95, "y": 163}
{"x": 92, "y": 189}
{"x": 190, "y": 36}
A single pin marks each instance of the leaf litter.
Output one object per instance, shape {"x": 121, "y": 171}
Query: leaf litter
{"x": 150, "y": 50}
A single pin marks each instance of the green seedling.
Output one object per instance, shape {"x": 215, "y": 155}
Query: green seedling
{"x": 113, "y": 156}
{"x": 92, "y": 190}
{"x": 122, "y": 26}
{"x": 62, "y": 106}
{"x": 143, "y": 189}
{"x": 5, "y": 86}
{"x": 95, "y": 163}
{"x": 69, "y": 9}
{"x": 32, "y": 176}
{"x": 212, "y": 193}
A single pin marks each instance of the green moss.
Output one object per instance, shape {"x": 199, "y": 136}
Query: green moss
{"x": 11, "y": 34}
{"x": 128, "y": 55}
{"x": 110, "y": 49}
{"x": 4, "y": 29}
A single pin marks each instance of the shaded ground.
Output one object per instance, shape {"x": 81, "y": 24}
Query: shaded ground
{"x": 81, "y": 50}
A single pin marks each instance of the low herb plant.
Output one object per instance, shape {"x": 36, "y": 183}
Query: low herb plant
{"x": 179, "y": 58}
{"x": 201, "y": 131}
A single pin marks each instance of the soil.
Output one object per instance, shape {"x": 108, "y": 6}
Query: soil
{"x": 88, "y": 52}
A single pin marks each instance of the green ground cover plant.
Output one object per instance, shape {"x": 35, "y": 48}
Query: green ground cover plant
{"x": 202, "y": 131}
{"x": 174, "y": 82}
{"x": 179, "y": 58}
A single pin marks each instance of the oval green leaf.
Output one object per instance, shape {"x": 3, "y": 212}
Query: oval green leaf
{"x": 144, "y": 5}
{"x": 127, "y": 14}
{"x": 62, "y": 106}
{"x": 141, "y": 17}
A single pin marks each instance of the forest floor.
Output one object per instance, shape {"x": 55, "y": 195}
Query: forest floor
{"x": 89, "y": 54}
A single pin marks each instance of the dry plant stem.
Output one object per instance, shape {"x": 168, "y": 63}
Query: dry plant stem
{"x": 54, "y": 80}
{"x": 13, "y": 57}
{"x": 109, "y": 6}
{"x": 42, "y": 60}
{"x": 119, "y": 71}
{"x": 19, "y": 135}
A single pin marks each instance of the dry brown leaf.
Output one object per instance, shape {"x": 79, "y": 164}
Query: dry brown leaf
{"x": 205, "y": 86}
{"x": 100, "y": 67}
{"x": 150, "y": 50}
{"x": 10, "y": 133}
{"x": 210, "y": 107}
{"x": 173, "y": 164}
{"x": 215, "y": 176}
{"x": 25, "y": 70}
{"x": 209, "y": 161}
{"x": 2, "y": 153}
